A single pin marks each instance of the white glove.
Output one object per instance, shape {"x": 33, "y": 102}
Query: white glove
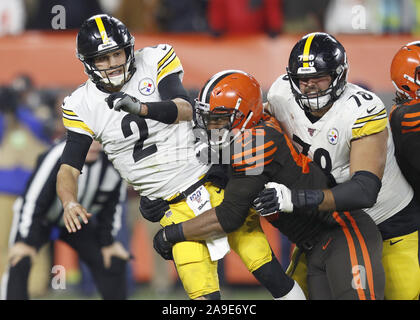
{"x": 122, "y": 101}
{"x": 274, "y": 198}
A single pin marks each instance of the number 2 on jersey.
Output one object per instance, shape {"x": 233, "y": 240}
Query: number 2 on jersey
{"x": 138, "y": 152}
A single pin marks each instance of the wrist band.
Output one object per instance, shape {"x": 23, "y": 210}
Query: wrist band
{"x": 162, "y": 111}
{"x": 307, "y": 199}
{"x": 174, "y": 233}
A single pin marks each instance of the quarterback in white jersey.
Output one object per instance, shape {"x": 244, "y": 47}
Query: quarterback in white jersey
{"x": 131, "y": 141}
{"x": 344, "y": 129}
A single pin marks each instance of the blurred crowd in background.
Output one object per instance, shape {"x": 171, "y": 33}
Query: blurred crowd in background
{"x": 219, "y": 16}
{"x": 40, "y": 109}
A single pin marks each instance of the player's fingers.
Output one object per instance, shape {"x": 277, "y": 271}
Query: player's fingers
{"x": 73, "y": 221}
{"x": 84, "y": 215}
{"x": 76, "y": 222}
{"x": 68, "y": 223}
{"x": 118, "y": 106}
{"x": 15, "y": 259}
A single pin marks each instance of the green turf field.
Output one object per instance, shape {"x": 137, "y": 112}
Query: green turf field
{"x": 145, "y": 293}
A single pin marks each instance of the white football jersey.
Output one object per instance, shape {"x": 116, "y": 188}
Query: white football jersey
{"x": 157, "y": 159}
{"x": 355, "y": 114}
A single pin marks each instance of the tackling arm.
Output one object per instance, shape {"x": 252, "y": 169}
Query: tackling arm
{"x": 367, "y": 165}
{"x": 225, "y": 218}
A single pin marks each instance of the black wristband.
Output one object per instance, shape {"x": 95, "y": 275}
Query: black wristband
{"x": 174, "y": 233}
{"x": 307, "y": 199}
{"x": 163, "y": 111}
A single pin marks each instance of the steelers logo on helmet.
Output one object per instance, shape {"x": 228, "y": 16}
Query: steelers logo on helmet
{"x": 231, "y": 99}
{"x": 314, "y": 56}
{"x": 100, "y": 35}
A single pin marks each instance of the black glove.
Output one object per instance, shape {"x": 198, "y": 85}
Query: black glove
{"x": 122, "y": 101}
{"x": 162, "y": 246}
{"x": 274, "y": 198}
{"x": 166, "y": 238}
{"x": 153, "y": 210}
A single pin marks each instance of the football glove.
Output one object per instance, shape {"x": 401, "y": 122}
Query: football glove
{"x": 153, "y": 210}
{"x": 162, "y": 246}
{"x": 122, "y": 101}
{"x": 274, "y": 198}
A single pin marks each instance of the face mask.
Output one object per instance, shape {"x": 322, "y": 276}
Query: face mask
{"x": 316, "y": 103}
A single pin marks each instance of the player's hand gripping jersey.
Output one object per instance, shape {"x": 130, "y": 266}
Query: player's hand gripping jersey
{"x": 155, "y": 158}
{"x": 355, "y": 114}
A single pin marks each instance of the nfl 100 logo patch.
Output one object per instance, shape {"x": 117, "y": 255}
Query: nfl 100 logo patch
{"x": 146, "y": 86}
{"x": 332, "y": 136}
{"x": 196, "y": 196}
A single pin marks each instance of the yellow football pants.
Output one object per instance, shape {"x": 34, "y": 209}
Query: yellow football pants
{"x": 195, "y": 268}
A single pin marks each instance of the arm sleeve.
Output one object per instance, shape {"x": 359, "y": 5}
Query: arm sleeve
{"x": 171, "y": 87}
{"x": 240, "y": 191}
{"x": 76, "y": 149}
{"x": 360, "y": 192}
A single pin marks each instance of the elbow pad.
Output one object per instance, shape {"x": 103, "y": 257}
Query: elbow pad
{"x": 361, "y": 191}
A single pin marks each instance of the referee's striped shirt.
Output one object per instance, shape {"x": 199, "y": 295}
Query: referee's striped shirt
{"x": 100, "y": 190}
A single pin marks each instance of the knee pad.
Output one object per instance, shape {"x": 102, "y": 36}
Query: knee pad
{"x": 272, "y": 276}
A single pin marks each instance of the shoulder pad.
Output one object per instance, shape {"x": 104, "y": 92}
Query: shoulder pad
{"x": 370, "y": 112}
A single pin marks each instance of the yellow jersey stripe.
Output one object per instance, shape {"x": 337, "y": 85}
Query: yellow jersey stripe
{"x": 166, "y": 57}
{"x": 370, "y": 127}
{"x": 368, "y": 118}
{"x": 175, "y": 63}
{"x": 102, "y": 30}
{"x": 77, "y": 124}
{"x": 306, "y": 50}
{"x": 68, "y": 112}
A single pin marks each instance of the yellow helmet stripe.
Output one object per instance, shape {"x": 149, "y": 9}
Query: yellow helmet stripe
{"x": 102, "y": 30}
{"x": 306, "y": 50}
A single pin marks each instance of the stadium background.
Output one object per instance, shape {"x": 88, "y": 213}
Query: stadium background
{"x": 371, "y": 31}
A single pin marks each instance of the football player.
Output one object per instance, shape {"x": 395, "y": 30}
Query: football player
{"x": 405, "y": 114}
{"x": 344, "y": 128}
{"x": 404, "y": 118}
{"x": 337, "y": 244}
{"x": 133, "y": 103}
